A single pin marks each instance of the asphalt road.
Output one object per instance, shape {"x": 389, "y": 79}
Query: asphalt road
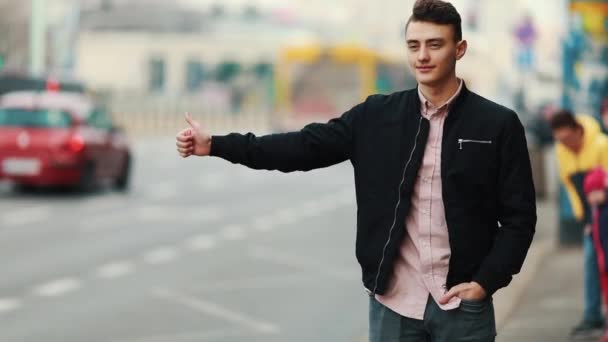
{"x": 198, "y": 250}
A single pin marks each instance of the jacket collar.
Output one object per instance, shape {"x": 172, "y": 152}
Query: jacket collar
{"x": 413, "y": 102}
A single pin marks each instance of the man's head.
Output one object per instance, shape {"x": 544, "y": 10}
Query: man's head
{"x": 567, "y": 130}
{"x": 434, "y": 41}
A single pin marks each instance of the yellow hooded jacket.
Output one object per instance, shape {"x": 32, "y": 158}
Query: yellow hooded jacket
{"x": 574, "y": 166}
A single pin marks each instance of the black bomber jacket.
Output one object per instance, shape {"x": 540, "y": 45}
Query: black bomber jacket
{"x": 488, "y": 193}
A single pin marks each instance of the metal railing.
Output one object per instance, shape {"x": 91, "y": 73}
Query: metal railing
{"x": 152, "y": 116}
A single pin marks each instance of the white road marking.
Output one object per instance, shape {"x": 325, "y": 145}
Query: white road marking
{"x": 201, "y": 242}
{"x": 233, "y": 232}
{"x": 161, "y": 255}
{"x": 264, "y": 223}
{"x": 98, "y": 224}
{"x": 163, "y": 191}
{"x": 262, "y": 282}
{"x": 202, "y": 215}
{"x": 249, "y": 176}
{"x": 189, "y": 214}
{"x": 217, "y": 311}
{"x": 9, "y": 304}
{"x": 286, "y": 216}
{"x": 57, "y": 287}
{"x": 26, "y": 216}
{"x": 103, "y": 203}
{"x": 310, "y": 208}
{"x": 115, "y": 269}
{"x": 212, "y": 181}
{"x": 280, "y": 258}
{"x": 217, "y": 335}
{"x": 152, "y": 213}
{"x": 328, "y": 203}
{"x": 347, "y": 197}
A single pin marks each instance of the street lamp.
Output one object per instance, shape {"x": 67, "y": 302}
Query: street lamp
{"x": 37, "y": 37}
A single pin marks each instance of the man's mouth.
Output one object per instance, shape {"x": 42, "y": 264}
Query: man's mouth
{"x": 425, "y": 68}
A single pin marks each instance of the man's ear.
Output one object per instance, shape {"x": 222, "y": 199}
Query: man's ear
{"x": 461, "y": 49}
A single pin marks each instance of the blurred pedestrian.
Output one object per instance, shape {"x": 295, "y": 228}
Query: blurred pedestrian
{"x": 595, "y": 189}
{"x": 526, "y": 36}
{"x": 580, "y": 148}
{"x": 446, "y": 203}
{"x": 604, "y": 114}
{"x": 540, "y": 125}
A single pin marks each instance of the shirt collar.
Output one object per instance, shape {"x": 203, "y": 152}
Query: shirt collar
{"x": 426, "y": 105}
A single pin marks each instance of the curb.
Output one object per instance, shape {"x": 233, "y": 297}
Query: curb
{"x": 507, "y": 299}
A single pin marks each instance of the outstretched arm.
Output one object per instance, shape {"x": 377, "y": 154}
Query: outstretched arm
{"x": 315, "y": 146}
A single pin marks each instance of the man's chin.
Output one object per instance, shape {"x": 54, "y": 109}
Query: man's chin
{"x": 430, "y": 80}
{"x": 427, "y": 81}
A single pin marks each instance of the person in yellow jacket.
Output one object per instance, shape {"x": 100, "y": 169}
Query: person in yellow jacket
{"x": 580, "y": 148}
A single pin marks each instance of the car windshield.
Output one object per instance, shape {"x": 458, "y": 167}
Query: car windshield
{"x": 20, "y": 117}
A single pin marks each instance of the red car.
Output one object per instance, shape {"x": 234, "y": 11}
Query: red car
{"x": 60, "y": 138}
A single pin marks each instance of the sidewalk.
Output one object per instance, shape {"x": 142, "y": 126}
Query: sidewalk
{"x": 552, "y": 304}
{"x": 508, "y": 300}
{"x": 549, "y": 291}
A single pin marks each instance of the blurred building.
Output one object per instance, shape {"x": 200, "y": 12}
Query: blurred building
{"x": 14, "y": 22}
{"x": 164, "y": 49}
{"x": 585, "y": 57}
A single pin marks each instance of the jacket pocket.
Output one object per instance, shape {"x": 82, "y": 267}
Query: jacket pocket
{"x": 474, "y": 159}
{"x": 462, "y": 142}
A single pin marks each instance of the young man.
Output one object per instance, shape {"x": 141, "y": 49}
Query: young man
{"x": 446, "y": 204}
{"x": 580, "y": 148}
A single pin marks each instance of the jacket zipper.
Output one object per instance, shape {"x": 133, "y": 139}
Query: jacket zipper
{"x": 390, "y": 233}
{"x": 461, "y": 141}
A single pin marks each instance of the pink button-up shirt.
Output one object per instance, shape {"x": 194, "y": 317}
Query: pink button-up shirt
{"x": 422, "y": 266}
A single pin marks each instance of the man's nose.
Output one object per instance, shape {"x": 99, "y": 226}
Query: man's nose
{"x": 423, "y": 54}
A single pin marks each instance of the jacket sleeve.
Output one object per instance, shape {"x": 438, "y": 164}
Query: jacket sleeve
{"x": 516, "y": 210}
{"x": 317, "y": 145}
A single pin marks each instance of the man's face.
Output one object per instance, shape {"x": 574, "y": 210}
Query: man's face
{"x": 572, "y": 138}
{"x": 432, "y": 52}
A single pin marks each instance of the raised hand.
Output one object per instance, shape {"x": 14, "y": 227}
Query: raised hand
{"x": 193, "y": 140}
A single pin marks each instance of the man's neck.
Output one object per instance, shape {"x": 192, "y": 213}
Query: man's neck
{"x": 437, "y": 95}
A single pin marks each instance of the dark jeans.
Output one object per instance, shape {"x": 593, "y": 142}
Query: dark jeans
{"x": 593, "y": 293}
{"x": 472, "y": 321}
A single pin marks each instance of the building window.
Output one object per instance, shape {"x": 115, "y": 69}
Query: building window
{"x": 195, "y": 75}
{"x": 157, "y": 74}
{"x": 227, "y": 71}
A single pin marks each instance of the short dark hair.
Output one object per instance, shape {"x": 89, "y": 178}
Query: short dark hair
{"x": 437, "y": 12}
{"x": 564, "y": 119}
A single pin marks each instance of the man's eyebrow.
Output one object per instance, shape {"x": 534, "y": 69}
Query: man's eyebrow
{"x": 431, "y": 40}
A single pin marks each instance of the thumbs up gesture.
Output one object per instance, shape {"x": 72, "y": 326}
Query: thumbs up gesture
{"x": 193, "y": 140}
